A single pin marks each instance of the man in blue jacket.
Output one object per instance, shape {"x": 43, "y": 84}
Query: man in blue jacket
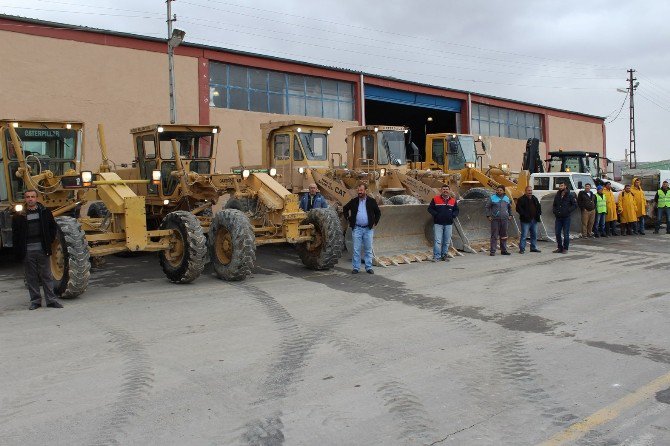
{"x": 313, "y": 199}
{"x": 499, "y": 213}
{"x": 444, "y": 209}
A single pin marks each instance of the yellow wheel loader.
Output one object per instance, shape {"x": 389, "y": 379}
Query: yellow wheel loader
{"x": 258, "y": 211}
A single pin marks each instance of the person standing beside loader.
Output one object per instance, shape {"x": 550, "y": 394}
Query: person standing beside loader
{"x": 530, "y": 211}
{"x": 313, "y": 199}
{"x": 586, "y": 201}
{"x": 444, "y": 209}
{"x": 627, "y": 212}
{"x": 499, "y": 213}
{"x": 564, "y": 204}
{"x": 363, "y": 215}
{"x": 33, "y": 232}
{"x": 611, "y": 217}
{"x": 640, "y": 205}
{"x": 601, "y": 213}
{"x": 662, "y": 200}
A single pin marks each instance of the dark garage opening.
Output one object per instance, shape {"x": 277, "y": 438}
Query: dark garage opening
{"x": 414, "y": 117}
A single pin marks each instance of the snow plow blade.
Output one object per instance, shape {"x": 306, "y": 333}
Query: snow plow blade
{"x": 547, "y": 228}
{"x": 472, "y": 230}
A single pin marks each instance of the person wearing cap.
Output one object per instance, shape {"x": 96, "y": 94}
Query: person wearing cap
{"x": 662, "y": 200}
{"x": 611, "y": 216}
{"x": 640, "y": 205}
{"x": 601, "y": 213}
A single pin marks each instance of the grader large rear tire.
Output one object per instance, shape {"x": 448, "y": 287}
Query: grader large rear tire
{"x": 326, "y": 249}
{"x": 70, "y": 259}
{"x": 232, "y": 245}
{"x": 477, "y": 193}
{"x": 185, "y": 260}
{"x": 97, "y": 209}
{"x": 404, "y": 199}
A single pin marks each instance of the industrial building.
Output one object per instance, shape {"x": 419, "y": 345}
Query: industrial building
{"x": 59, "y": 71}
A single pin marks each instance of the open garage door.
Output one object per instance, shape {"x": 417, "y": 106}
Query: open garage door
{"x": 421, "y": 113}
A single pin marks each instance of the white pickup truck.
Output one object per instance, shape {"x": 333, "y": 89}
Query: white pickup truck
{"x": 547, "y": 183}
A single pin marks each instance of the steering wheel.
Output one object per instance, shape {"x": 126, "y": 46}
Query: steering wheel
{"x": 37, "y": 161}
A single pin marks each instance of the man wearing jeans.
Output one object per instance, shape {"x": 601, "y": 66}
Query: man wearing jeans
{"x": 601, "y": 213}
{"x": 363, "y": 215}
{"x": 564, "y": 204}
{"x": 530, "y": 210}
{"x": 662, "y": 200}
{"x": 444, "y": 209}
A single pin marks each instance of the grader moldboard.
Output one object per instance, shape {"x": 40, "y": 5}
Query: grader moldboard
{"x": 259, "y": 211}
{"x": 180, "y": 244}
{"x": 301, "y": 153}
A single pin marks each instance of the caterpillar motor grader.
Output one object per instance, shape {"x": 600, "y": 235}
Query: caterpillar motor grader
{"x": 301, "y": 153}
{"x": 259, "y": 210}
{"x": 179, "y": 241}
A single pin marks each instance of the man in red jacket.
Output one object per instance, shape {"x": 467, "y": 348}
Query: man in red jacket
{"x": 444, "y": 209}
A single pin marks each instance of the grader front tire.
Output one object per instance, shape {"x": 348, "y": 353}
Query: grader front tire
{"x": 70, "y": 259}
{"x": 232, "y": 245}
{"x": 326, "y": 249}
{"x": 185, "y": 260}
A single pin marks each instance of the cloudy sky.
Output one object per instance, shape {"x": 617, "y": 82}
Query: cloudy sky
{"x": 569, "y": 54}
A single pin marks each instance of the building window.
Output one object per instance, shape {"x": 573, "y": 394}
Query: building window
{"x": 496, "y": 121}
{"x": 242, "y": 88}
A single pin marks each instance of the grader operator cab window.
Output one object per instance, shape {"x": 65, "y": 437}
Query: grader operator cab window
{"x": 44, "y": 149}
{"x": 391, "y": 148}
{"x": 315, "y": 145}
{"x": 282, "y": 147}
{"x": 297, "y": 153}
{"x": 367, "y": 149}
{"x": 191, "y": 145}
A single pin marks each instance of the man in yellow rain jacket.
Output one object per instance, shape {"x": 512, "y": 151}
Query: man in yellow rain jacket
{"x": 611, "y": 217}
{"x": 626, "y": 211}
{"x": 640, "y": 205}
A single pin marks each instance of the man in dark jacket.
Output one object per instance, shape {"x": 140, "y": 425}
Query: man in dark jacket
{"x": 530, "y": 210}
{"x": 313, "y": 199}
{"x": 363, "y": 215}
{"x": 33, "y": 231}
{"x": 564, "y": 204}
{"x": 586, "y": 200}
{"x": 499, "y": 213}
{"x": 444, "y": 209}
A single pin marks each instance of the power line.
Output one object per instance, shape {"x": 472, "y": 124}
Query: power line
{"x": 368, "y": 29}
{"x": 653, "y": 101}
{"x": 620, "y": 109}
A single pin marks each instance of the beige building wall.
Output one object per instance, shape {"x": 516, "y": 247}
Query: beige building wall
{"x": 569, "y": 134}
{"x": 244, "y": 125}
{"x": 118, "y": 87}
{"x": 508, "y": 150}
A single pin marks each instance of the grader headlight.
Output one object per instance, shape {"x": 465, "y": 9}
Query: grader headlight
{"x": 504, "y": 166}
{"x": 166, "y": 202}
{"x": 470, "y": 165}
{"x": 18, "y": 208}
{"x": 301, "y": 170}
{"x": 382, "y": 172}
{"x": 273, "y": 172}
{"x": 246, "y": 173}
{"x": 86, "y": 178}
{"x": 156, "y": 177}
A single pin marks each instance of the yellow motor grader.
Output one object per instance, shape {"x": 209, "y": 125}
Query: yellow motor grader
{"x": 180, "y": 241}
{"x": 258, "y": 211}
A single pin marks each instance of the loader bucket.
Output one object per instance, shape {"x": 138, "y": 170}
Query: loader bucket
{"x": 400, "y": 236}
{"x": 549, "y": 220}
{"x": 472, "y": 230}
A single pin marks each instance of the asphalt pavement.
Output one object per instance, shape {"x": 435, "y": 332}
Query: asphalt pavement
{"x": 518, "y": 350}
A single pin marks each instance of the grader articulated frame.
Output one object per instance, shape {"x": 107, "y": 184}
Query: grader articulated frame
{"x": 259, "y": 210}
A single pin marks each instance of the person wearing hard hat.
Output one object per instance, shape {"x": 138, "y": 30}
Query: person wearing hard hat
{"x": 611, "y": 216}
{"x": 601, "y": 213}
{"x": 640, "y": 205}
{"x": 626, "y": 211}
{"x": 662, "y": 200}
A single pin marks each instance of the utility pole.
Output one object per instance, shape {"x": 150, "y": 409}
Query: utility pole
{"x": 632, "y": 155}
{"x": 173, "y": 99}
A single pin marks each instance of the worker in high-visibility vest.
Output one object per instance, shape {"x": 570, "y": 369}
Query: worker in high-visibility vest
{"x": 611, "y": 217}
{"x": 601, "y": 213}
{"x": 662, "y": 200}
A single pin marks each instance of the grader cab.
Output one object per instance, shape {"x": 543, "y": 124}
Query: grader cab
{"x": 258, "y": 210}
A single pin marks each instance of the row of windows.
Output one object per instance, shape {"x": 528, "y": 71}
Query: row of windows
{"x": 496, "y": 121}
{"x": 243, "y": 88}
